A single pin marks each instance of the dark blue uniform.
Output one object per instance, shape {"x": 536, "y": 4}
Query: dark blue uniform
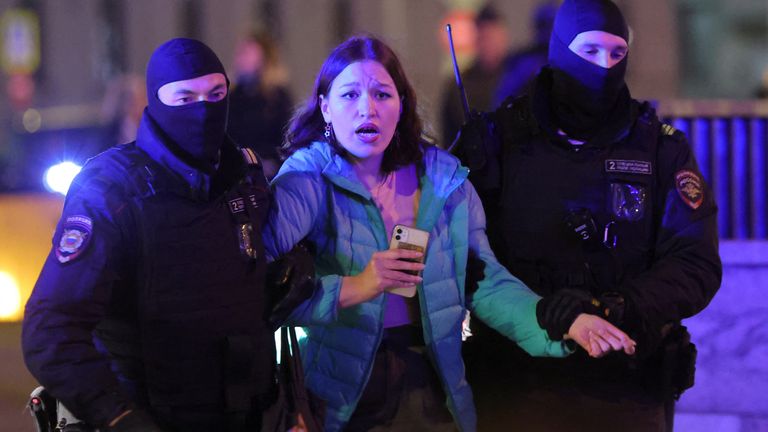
{"x": 624, "y": 218}
{"x": 152, "y": 296}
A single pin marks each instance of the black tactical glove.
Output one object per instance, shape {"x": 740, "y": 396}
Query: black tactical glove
{"x": 478, "y": 145}
{"x": 556, "y": 312}
{"x": 290, "y": 281}
{"x": 135, "y": 421}
{"x": 610, "y": 306}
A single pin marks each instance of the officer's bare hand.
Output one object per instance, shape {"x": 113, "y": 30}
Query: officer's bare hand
{"x": 385, "y": 270}
{"x": 599, "y": 337}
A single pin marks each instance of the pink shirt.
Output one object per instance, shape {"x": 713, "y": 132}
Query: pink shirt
{"x": 397, "y": 198}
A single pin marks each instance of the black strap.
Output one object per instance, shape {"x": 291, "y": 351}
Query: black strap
{"x": 292, "y": 374}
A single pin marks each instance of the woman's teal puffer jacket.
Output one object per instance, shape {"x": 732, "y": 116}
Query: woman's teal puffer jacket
{"x": 318, "y": 198}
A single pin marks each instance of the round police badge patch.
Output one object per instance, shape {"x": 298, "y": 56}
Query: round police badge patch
{"x": 689, "y": 187}
{"x": 75, "y": 236}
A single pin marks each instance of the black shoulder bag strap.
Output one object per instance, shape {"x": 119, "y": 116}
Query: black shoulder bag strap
{"x": 297, "y": 399}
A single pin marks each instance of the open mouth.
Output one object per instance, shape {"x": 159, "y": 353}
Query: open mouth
{"x": 367, "y": 131}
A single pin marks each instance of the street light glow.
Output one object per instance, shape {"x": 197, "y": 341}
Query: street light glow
{"x": 10, "y": 298}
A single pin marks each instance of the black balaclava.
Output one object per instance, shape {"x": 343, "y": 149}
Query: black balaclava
{"x": 583, "y": 93}
{"x": 196, "y": 131}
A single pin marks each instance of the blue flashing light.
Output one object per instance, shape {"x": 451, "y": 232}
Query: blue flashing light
{"x": 58, "y": 177}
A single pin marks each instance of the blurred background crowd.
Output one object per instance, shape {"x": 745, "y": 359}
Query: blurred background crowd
{"x": 72, "y": 70}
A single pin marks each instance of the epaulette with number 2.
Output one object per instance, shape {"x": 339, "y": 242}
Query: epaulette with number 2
{"x": 249, "y": 156}
{"x": 667, "y": 129}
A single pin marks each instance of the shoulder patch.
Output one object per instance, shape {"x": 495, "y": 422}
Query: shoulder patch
{"x": 667, "y": 129}
{"x": 690, "y": 188}
{"x": 75, "y": 237}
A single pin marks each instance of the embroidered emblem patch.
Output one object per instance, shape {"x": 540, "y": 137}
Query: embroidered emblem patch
{"x": 75, "y": 236}
{"x": 689, "y": 187}
{"x": 628, "y": 166}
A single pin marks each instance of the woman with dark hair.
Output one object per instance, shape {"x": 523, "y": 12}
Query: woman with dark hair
{"x": 358, "y": 169}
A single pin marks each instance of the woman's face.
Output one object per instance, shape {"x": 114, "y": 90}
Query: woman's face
{"x": 363, "y": 107}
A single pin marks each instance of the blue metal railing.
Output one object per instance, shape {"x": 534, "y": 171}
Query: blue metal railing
{"x": 729, "y": 139}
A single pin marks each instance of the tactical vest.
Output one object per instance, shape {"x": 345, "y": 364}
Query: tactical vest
{"x": 201, "y": 308}
{"x": 583, "y": 220}
{"x": 532, "y": 232}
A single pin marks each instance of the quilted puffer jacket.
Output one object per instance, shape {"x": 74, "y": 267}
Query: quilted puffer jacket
{"x": 319, "y": 198}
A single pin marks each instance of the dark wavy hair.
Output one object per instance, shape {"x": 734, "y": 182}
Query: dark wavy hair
{"x": 307, "y": 124}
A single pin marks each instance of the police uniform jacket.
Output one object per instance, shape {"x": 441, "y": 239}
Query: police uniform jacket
{"x": 653, "y": 235}
{"x": 146, "y": 296}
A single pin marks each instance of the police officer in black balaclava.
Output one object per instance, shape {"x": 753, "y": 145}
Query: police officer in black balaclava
{"x": 150, "y": 312}
{"x": 588, "y": 60}
{"x": 601, "y": 208}
{"x": 193, "y": 131}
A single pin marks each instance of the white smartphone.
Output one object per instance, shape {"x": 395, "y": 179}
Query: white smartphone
{"x": 404, "y": 237}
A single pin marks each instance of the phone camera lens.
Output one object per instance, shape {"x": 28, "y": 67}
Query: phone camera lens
{"x": 397, "y": 237}
{"x": 399, "y": 231}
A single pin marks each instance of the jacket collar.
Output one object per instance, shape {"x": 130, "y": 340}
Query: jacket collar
{"x": 440, "y": 174}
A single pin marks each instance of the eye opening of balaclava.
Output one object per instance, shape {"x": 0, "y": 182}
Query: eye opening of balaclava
{"x": 583, "y": 93}
{"x": 195, "y": 132}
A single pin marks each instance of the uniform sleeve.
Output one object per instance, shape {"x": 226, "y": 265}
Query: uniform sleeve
{"x": 502, "y": 301}
{"x": 70, "y": 298}
{"x": 295, "y": 213}
{"x": 686, "y": 270}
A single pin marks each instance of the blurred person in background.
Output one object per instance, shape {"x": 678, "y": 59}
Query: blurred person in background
{"x": 482, "y": 77}
{"x": 122, "y": 107}
{"x": 260, "y": 104}
{"x": 522, "y": 66}
{"x": 597, "y": 206}
{"x": 762, "y": 90}
{"x": 16, "y": 156}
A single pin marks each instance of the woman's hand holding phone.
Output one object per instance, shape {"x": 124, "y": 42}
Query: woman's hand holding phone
{"x": 407, "y": 238}
{"x": 386, "y": 270}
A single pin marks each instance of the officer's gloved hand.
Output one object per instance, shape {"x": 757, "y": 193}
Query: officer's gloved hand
{"x": 647, "y": 332}
{"x": 477, "y": 141}
{"x": 135, "y": 421}
{"x": 611, "y": 307}
{"x": 290, "y": 281}
{"x": 556, "y": 312}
